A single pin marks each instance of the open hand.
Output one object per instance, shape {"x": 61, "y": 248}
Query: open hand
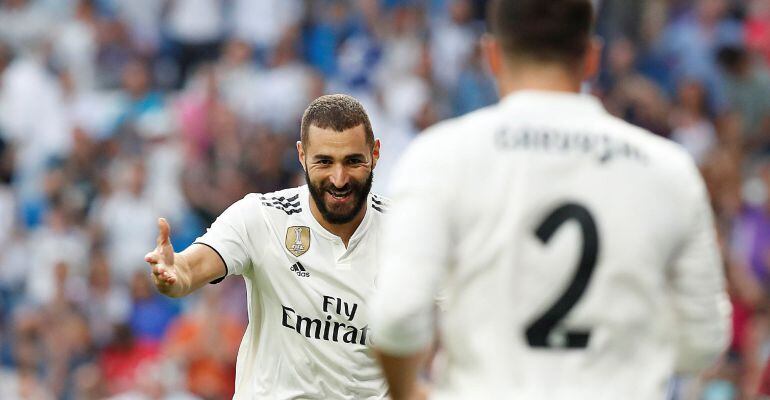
{"x": 161, "y": 259}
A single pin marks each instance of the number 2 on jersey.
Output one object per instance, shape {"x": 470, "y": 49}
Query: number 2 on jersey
{"x": 544, "y": 332}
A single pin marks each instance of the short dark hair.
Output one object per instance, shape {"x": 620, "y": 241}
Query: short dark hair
{"x": 543, "y": 30}
{"x": 338, "y": 112}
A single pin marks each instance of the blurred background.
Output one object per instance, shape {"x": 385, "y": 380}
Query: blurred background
{"x": 115, "y": 112}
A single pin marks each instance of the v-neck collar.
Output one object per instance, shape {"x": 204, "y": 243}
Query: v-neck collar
{"x": 358, "y": 234}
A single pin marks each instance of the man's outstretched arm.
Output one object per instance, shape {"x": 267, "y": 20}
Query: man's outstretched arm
{"x": 179, "y": 274}
{"x": 402, "y": 372}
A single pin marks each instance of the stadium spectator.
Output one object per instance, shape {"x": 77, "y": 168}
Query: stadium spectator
{"x": 23, "y": 24}
{"x": 264, "y": 23}
{"x": 690, "y": 122}
{"x": 196, "y": 28}
{"x": 124, "y": 220}
{"x": 75, "y": 45}
{"x": 205, "y": 342}
{"x": 151, "y": 314}
{"x": 747, "y": 91}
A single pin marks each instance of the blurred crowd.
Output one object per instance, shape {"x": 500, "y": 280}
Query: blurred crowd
{"x": 115, "y": 112}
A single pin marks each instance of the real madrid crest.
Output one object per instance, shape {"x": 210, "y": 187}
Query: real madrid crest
{"x": 297, "y": 240}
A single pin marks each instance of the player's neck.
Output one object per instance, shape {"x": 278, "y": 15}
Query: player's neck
{"x": 343, "y": 231}
{"x": 532, "y": 76}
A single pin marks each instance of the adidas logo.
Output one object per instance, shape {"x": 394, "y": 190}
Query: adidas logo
{"x": 299, "y": 269}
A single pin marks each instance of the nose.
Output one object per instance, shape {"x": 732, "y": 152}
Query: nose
{"x": 339, "y": 177}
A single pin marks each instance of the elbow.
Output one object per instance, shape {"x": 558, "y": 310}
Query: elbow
{"x": 402, "y": 336}
{"x": 695, "y": 359}
{"x": 703, "y": 348}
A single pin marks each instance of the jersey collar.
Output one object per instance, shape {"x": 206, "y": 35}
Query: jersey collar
{"x": 553, "y": 100}
{"x": 314, "y": 224}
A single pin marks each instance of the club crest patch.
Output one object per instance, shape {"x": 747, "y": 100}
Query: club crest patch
{"x": 297, "y": 240}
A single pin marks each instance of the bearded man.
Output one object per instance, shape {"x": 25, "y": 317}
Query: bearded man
{"x": 309, "y": 258}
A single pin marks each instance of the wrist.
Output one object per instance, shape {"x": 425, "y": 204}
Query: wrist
{"x": 182, "y": 286}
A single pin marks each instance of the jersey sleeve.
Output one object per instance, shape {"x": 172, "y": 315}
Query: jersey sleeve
{"x": 700, "y": 303}
{"x": 230, "y": 238}
{"x": 415, "y": 244}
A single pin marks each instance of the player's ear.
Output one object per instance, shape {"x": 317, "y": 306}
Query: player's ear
{"x": 301, "y": 155}
{"x": 593, "y": 58}
{"x": 492, "y": 54}
{"x": 375, "y": 152}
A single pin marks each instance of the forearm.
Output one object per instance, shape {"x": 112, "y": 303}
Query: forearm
{"x": 196, "y": 266}
{"x": 401, "y": 373}
{"x": 183, "y": 284}
{"x": 178, "y": 274}
{"x": 703, "y": 338}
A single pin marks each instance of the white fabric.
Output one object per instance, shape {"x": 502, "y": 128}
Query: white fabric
{"x": 143, "y": 18}
{"x": 237, "y": 85}
{"x": 450, "y": 50}
{"x": 130, "y": 227}
{"x": 75, "y": 47}
{"x": 24, "y": 27}
{"x": 698, "y": 138}
{"x": 164, "y": 184}
{"x": 51, "y": 246}
{"x": 286, "y": 88}
{"x": 196, "y": 21}
{"x": 263, "y": 22}
{"x": 284, "y": 353}
{"x": 27, "y": 91}
{"x": 468, "y": 197}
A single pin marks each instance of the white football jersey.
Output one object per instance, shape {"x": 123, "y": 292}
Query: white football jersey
{"x": 576, "y": 252}
{"x": 308, "y": 335}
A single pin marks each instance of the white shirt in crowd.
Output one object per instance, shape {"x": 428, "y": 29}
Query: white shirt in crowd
{"x": 23, "y": 27}
{"x": 196, "y": 21}
{"x": 308, "y": 334}
{"x": 129, "y": 224}
{"x": 577, "y": 254}
{"x": 26, "y": 92}
{"x": 143, "y": 19}
{"x": 262, "y": 23}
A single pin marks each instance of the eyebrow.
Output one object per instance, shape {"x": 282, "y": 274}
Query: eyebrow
{"x": 347, "y": 157}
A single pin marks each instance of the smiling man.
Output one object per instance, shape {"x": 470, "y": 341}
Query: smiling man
{"x": 308, "y": 256}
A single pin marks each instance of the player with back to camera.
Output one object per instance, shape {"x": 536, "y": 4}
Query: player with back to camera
{"x": 577, "y": 252}
{"x": 308, "y": 256}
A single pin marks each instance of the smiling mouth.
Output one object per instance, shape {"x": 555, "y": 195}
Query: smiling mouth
{"x": 339, "y": 195}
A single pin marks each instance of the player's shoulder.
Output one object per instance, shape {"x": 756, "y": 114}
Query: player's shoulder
{"x": 285, "y": 201}
{"x": 457, "y": 130}
{"x": 281, "y": 202}
{"x": 662, "y": 149}
{"x": 454, "y": 135}
{"x": 664, "y": 154}
{"x": 379, "y": 203}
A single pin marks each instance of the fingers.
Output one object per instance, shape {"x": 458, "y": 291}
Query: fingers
{"x": 158, "y": 271}
{"x": 163, "y": 232}
{"x": 163, "y": 275}
{"x": 163, "y": 283}
{"x": 151, "y": 257}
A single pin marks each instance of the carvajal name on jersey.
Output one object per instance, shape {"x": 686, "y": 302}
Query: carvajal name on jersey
{"x": 603, "y": 147}
{"x": 327, "y": 329}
